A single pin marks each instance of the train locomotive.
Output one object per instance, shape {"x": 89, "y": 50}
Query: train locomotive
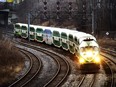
{"x": 83, "y": 45}
{"x": 89, "y": 54}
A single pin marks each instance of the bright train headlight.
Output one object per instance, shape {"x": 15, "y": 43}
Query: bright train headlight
{"x": 89, "y": 54}
{"x": 97, "y": 60}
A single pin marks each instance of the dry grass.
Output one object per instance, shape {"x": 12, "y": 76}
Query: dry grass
{"x": 11, "y": 61}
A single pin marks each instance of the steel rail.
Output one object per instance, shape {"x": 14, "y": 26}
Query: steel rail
{"x": 51, "y": 83}
{"x": 26, "y": 75}
{"x": 112, "y": 73}
{"x": 26, "y": 71}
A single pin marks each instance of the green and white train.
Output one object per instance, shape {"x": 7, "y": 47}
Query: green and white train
{"x": 83, "y": 45}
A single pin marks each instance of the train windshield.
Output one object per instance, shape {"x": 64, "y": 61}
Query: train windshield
{"x": 89, "y": 48}
{"x": 92, "y": 41}
{"x": 89, "y": 51}
{"x": 88, "y": 39}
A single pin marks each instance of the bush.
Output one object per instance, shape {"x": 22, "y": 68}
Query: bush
{"x": 11, "y": 61}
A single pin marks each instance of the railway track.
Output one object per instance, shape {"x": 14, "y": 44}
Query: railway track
{"x": 88, "y": 80}
{"x": 63, "y": 67}
{"x": 35, "y": 66}
{"x": 109, "y": 63}
{"x": 110, "y": 52}
{"x": 61, "y": 74}
{"x": 110, "y": 74}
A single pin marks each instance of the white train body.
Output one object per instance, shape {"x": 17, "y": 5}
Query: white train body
{"x": 81, "y": 44}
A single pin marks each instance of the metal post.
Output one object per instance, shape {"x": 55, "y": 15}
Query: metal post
{"x": 93, "y": 18}
{"x": 29, "y": 26}
{"x": 93, "y": 22}
{"x": 111, "y": 15}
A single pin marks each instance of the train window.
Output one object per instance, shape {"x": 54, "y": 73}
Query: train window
{"x": 88, "y": 39}
{"x": 24, "y": 27}
{"x": 75, "y": 39}
{"x": 78, "y": 42}
{"x": 31, "y": 28}
{"x": 64, "y": 35}
{"x": 70, "y": 37}
{"x": 39, "y": 30}
{"x": 89, "y": 48}
{"x": 17, "y": 26}
{"x": 56, "y": 33}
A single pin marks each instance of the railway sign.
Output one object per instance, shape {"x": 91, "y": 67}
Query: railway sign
{"x": 107, "y": 33}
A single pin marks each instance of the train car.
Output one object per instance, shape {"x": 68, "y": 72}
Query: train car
{"x": 24, "y": 31}
{"x": 71, "y": 42}
{"x": 56, "y": 37}
{"x": 17, "y": 30}
{"x": 64, "y": 39}
{"x": 47, "y": 35}
{"x": 39, "y": 33}
{"x": 32, "y": 32}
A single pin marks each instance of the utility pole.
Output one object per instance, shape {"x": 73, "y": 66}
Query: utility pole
{"x": 93, "y": 24}
{"x": 29, "y": 26}
{"x": 93, "y": 18}
{"x": 111, "y": 7}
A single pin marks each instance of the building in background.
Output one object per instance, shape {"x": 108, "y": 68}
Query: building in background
{"x": 5, "y": 7}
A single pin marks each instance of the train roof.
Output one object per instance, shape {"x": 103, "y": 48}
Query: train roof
{"x": 80, "y": 35}
{"x": 92, "y": 43}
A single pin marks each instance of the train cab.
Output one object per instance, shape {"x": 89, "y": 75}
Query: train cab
{"x": 89, "y": 54}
